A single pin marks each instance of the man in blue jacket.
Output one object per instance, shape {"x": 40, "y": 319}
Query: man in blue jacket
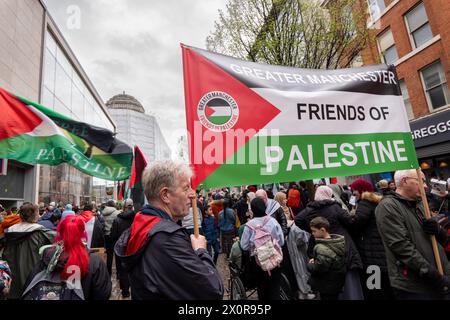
{"x": 162, "y": 260}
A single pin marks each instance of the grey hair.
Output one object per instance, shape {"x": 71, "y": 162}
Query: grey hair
{"x": 400, "y": 174}
{"x": 163, "y": 174}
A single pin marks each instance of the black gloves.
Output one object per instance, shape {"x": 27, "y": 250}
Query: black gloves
{"x": 432, "y": 227}
{"x": 442, "y": 283}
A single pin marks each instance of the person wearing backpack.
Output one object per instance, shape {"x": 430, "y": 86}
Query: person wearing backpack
{"x": 264, "y": 238}
{"x": 22, "y": 243}
{"x": 5, "y": 279}
{"x": 66, "y": 270}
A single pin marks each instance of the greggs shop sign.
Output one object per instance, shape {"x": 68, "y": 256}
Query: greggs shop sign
{"x": 431, "y": 130}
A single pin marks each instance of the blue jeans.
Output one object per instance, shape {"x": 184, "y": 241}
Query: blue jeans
{"x": 216, "y": 247}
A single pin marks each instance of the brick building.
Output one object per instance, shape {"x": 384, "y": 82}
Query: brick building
{"x": 414, "y": 35}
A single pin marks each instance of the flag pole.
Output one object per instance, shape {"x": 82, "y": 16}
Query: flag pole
{"x": 434, "y": 244}
{"x": 195, "y": 216}
{"x": 195, "y": 213}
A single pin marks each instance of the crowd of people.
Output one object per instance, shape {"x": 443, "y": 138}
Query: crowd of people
{"x": 329, "y": 242}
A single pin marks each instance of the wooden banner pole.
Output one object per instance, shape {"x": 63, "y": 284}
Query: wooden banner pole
{"x": 195, "y": 217}
{"x": 434, "y": 243}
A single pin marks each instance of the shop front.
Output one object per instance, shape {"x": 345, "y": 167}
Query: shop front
{"x": 431, "y": 135}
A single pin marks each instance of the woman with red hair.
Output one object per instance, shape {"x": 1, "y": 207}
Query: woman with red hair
{"x": 67, "y": 271}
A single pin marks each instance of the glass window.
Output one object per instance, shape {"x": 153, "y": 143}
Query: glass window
{"x": 435, "y": 85}
{"x": 77, "y": 103}
{"x": 376, "y": 8}
{"x": 418, "y": 25}
{"x": 61, "y": 107}
{"x": 50, "y": 43}
{"x": 387, "y": 47}
{"x": 63, "y": 86}
{"x": 65, "y": 91}
{"x": 47, "y": 98}
{"x": 406, "y": 100}
{"x": 50, "y": 70}
{"x": 64, "y": 62}
{"x": 77, "y": 80}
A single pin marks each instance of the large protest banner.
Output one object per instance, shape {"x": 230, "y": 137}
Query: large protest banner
{"x": 34, "y": 134}
{"x": 253, "y": 123}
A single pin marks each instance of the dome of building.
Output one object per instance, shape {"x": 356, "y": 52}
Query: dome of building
{"x": 125, "y": 101}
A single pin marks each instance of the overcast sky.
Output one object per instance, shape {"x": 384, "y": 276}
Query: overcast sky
{"x": 134, "y": 46}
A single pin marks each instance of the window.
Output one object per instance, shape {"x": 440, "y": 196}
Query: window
{"x": 63, "y": 86}
{"x": 387, "y": 47}
{"x": 51, "y": 44}
{"x": 376, "y": 7}
{"x": 47, "y": 98}
{"x": 50, "y": 71}
{"x": 435, "y": 85}
{"x": 406, "y": 100}
{"x": 357, "y": 61}
{"x": 418, "y": 26}
{"x": 77, "y": 103}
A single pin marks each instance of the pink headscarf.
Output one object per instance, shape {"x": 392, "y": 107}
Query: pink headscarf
{"x": 323, "y": 193}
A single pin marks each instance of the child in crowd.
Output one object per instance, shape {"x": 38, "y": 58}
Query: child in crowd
{"x": 211, "y": 233}
{"x": 327, "y": 268}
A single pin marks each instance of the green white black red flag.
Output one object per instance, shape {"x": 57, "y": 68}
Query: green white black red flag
{"x": 252, "y": 123}
{"x": 34, "y": 134}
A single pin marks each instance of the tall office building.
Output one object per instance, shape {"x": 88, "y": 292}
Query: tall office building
{"x": 136, "y": 128}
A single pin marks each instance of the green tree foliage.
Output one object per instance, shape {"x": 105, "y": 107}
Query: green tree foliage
{"x": 297, "y": 33}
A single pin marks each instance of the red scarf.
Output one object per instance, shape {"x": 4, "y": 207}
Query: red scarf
{"x": 86, "y": 216}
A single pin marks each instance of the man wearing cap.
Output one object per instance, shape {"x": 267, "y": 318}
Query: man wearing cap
{"x": 123, "y": 221}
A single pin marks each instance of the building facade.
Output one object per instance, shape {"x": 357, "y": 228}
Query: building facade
{"x": 413, "y": 35}
{"x": 136, "y": 128}
{"x": 36, "y": 62}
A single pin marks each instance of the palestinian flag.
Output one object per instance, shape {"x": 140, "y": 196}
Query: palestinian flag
{"x": 31, "y": 133}
{"x": 137, "y": 190}
{"x": 218, "y": 111}
{"x": 121, "y": 192}
{"x": 251, "y": 123}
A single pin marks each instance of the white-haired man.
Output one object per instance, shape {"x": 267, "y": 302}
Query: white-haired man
{"x": 409, "y": 254}
{"x": 161, "y": 259}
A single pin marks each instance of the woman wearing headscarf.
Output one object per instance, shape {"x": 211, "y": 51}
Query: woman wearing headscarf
{"x": 250, "y": 197}
{"x": 340, "y": 222}
{"x": 288, "y": 264}
{"x": 268, "y": 284}
{"x": 281, "y": 198}
{"x": 337, "y": 195}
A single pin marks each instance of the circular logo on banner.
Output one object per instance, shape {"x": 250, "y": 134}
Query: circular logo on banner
{"x": 217, "y": 111}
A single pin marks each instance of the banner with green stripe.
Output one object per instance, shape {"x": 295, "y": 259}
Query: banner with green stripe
{"x": 252, "y": 123}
